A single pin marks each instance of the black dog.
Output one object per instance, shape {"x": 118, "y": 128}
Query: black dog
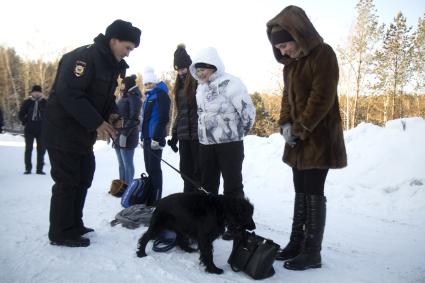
{"x": 199, "y": 216}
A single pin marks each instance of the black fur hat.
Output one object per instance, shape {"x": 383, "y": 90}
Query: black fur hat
{"x": 181, "y": 58}
{"x": 124, "y": 31}
{"x": 36, "y": 88}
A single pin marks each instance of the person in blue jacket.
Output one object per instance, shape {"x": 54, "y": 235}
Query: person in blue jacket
{"x": 129, "y": 104}
{"x": 155, "y": 116}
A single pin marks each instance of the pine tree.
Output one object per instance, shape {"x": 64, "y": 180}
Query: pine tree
{"x": 392, "y": 63}
{"x": 418, "y": 67}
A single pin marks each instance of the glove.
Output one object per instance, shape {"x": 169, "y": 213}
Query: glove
{"x": 122, "y": 141}
{"x": 286, "y": 132}
{"x": 155, "y": 145}
{"x": 116, "y": 120}
{"x": 173, "y": 143}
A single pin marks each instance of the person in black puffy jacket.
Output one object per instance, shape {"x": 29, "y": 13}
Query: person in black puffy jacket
{"x": 185, "y": 125}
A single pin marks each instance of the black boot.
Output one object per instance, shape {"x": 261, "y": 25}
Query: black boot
{"x": 315, "y": 226}
{"x": 293, "y": 248}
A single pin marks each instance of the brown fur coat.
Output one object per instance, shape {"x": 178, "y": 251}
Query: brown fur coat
{"x": 310, "y": 100}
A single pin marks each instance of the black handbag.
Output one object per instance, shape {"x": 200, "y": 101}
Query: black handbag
{"x": 254, "y": 255}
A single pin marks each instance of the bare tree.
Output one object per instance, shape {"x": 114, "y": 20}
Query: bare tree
{"x": 358, "y": 55}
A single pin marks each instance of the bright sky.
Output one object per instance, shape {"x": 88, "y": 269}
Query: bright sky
{"x": 46, "y": 28}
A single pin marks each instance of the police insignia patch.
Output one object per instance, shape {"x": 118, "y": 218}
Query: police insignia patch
{"x": 79, "y": 68}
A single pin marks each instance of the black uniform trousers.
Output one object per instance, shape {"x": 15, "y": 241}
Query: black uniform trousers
{"x": 189, "y": 163}
{"x": 73, "y": 174}
{"x": 41, "y": 150}
{"x": 224, "y": 158}
{"x": 311, "y": 181}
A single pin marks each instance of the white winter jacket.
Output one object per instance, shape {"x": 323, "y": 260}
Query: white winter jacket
{"x": 225, "y": 109}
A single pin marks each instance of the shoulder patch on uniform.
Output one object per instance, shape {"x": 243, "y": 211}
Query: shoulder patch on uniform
{"x": 79, "y": 69}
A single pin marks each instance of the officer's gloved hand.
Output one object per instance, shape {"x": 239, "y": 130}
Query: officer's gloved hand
{"x": 116, "y": 120}
{"x": 286, "y": 132}
{"x": 155, "y": 145}
{"x": 122, "y": 141}
{"x": 173, "y": 143}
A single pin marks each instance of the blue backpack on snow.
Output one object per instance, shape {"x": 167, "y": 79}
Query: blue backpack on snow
{"x": 140, "y": 191}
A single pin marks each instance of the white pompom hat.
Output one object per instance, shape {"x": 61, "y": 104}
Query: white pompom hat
{"x": 149, "y": 76}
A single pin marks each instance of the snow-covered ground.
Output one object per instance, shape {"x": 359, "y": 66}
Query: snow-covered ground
{"x": 374, "y": 232}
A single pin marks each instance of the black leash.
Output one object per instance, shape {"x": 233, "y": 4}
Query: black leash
{"x": 196, "y": 184}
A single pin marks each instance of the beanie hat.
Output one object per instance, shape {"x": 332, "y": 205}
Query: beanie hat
{"x": 205, "y": 66}
{"x": 123, "y": 31}
{"x": 279, "y": 35}
{"x": 35, "y": 88}
{"x": 181, "y": 58}
{"x": 149, "y": 76}
{"x": 129, "y": 82}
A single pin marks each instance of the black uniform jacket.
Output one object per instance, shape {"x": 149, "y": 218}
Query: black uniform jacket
{"x": 82, "y": 96}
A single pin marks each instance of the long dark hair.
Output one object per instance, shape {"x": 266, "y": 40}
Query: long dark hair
{"x": 189, "y": 86}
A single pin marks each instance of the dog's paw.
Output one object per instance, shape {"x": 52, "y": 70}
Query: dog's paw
{"x": 214, "y": 270}
{"x": 140, "y": 254}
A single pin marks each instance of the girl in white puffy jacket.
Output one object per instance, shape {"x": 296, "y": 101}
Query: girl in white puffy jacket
{"x": 226, "y": 115}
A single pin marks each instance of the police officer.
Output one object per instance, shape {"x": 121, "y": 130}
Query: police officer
{"x": 31, "y": 116}
{"x": 82, "y": 105}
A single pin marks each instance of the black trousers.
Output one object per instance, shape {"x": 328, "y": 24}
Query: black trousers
{"x": 225, "y": 159}
{"x": 73, "y": 175}
{"x": 189, "y": 163}
{"x": 153, "y": 166}
{"x": 311, "y": 181}
{"x": 41, "y": 150}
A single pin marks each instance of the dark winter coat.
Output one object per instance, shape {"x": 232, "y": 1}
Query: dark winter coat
{"x": 155, "y": 114}
{"x": 310, "y": 100}
{"x": 82, "y": 96}
{"x": 32, "y": 121}
{"x": 129, "y": 107}
{"x": 185, "y": 124}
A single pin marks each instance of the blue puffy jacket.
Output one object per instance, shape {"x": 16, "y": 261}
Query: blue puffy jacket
{"x": 155, "y": 114}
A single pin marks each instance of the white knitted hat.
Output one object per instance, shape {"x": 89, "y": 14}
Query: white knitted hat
{"x": 149, "y": 76}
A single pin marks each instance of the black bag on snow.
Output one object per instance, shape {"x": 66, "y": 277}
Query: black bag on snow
{"x": 140, "y": 191}
{"x": 254, "y": 255}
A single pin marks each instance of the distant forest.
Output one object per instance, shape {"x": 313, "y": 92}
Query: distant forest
{"x": 382, "y": 75}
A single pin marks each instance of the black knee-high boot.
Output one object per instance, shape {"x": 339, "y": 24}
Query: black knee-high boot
{"x": 315, "y": 225}
{"x": 293, "y": 248}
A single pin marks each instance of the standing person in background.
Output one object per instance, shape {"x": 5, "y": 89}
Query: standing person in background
{"x": 129, "y": 105}
{"x": 185, "y": 126}
{"x": 81, "y": 105}
{"x": 155, "y": 116}
{"x": 226, "y": 114}
{"x": 311, "y": 125}
{"x": 31, "y": 116}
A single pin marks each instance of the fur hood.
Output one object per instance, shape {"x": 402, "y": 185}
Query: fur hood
{"x": 294, "y": 20}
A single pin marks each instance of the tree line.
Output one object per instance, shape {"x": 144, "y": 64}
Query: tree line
{"x": 382, "y": 75}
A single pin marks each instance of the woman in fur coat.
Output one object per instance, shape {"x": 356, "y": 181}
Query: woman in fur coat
{"x": 311, "y": 125}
